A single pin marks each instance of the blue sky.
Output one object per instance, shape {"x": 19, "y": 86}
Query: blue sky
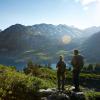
{"x": 79, "y": 13}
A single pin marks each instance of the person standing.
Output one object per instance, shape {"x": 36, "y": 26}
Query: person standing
{"x": 77, "y": 63}
{"x": 61, "y": 68}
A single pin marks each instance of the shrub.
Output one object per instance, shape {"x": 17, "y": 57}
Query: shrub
{"x": 17, "y": 85}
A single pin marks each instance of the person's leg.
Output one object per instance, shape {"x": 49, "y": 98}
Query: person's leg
{"x": 63, "y": 81}
{"x": 59, "y": 83}
{"x": 73, "y": 77}
{"x": 76, "y": 79}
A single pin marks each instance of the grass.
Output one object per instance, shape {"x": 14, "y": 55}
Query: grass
{"x": 20, "y": 86}
{"x": 92, "y": 95}
{"x": 17, "y": 85}
{"x": 90, "y": 76}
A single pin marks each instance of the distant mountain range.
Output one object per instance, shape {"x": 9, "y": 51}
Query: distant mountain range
{"x": 43, "y": 43}
{"x": 19, "y": 38}
{"x": 90, "y": 31}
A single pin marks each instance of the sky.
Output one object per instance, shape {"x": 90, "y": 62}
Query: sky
{"x": 78, "y": 13}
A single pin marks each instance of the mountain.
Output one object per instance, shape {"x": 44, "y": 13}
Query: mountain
{"x": 91, "y": 48}
{"x": 51, "y": 30}
{"x": 26, "y": 33}
{"x": 19, "y": 38}
{"x": 90, "y": 31}
{"x": 14, "y": 38}
{"x": 0, "y": 30}
{"x": 43, "y": 43}
{"x": 40, "y": 42}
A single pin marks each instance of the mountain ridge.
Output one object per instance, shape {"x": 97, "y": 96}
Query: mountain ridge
{"x": 41, "y": 42}
{"x": 91, "y": 48}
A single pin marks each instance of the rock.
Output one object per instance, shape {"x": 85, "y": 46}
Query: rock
{"x": 44, "y": 98}
{"x": 46, "y": 92}
{"x": 54, "y": 94}
{"x": 58, "y": 96}
{"x": 77, "y": 96}
{"x": 72, "y": 87}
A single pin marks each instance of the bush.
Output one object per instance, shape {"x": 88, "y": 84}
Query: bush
{"x": 17, "y": 85}
{"x": 92, "y": 95}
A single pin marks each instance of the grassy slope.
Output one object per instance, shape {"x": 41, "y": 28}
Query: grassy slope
{"x": 15, "y": 84}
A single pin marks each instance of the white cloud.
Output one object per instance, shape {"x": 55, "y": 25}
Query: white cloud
{"x": 92, "y": 8}
{"x": 97, "y": 14}
{"x": 87, "y": 2}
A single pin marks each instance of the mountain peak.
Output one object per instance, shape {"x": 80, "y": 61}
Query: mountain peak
{"x": 17, "y": 25}
{"x": 15, "y": 28}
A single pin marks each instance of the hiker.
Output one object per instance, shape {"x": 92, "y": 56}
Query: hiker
{"x": 77, "y": 63}
{"x": 61, "y": 68}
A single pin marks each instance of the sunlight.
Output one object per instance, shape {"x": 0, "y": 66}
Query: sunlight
{"x": 66, "y": 39}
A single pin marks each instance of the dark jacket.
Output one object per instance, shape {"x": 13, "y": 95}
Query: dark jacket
{"x": 77, "y": 62}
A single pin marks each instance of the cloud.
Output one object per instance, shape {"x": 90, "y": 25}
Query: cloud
{"x": 97, "y": 14}
{"x": 87, "y": 2}
{"x": 91, "y": 10}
